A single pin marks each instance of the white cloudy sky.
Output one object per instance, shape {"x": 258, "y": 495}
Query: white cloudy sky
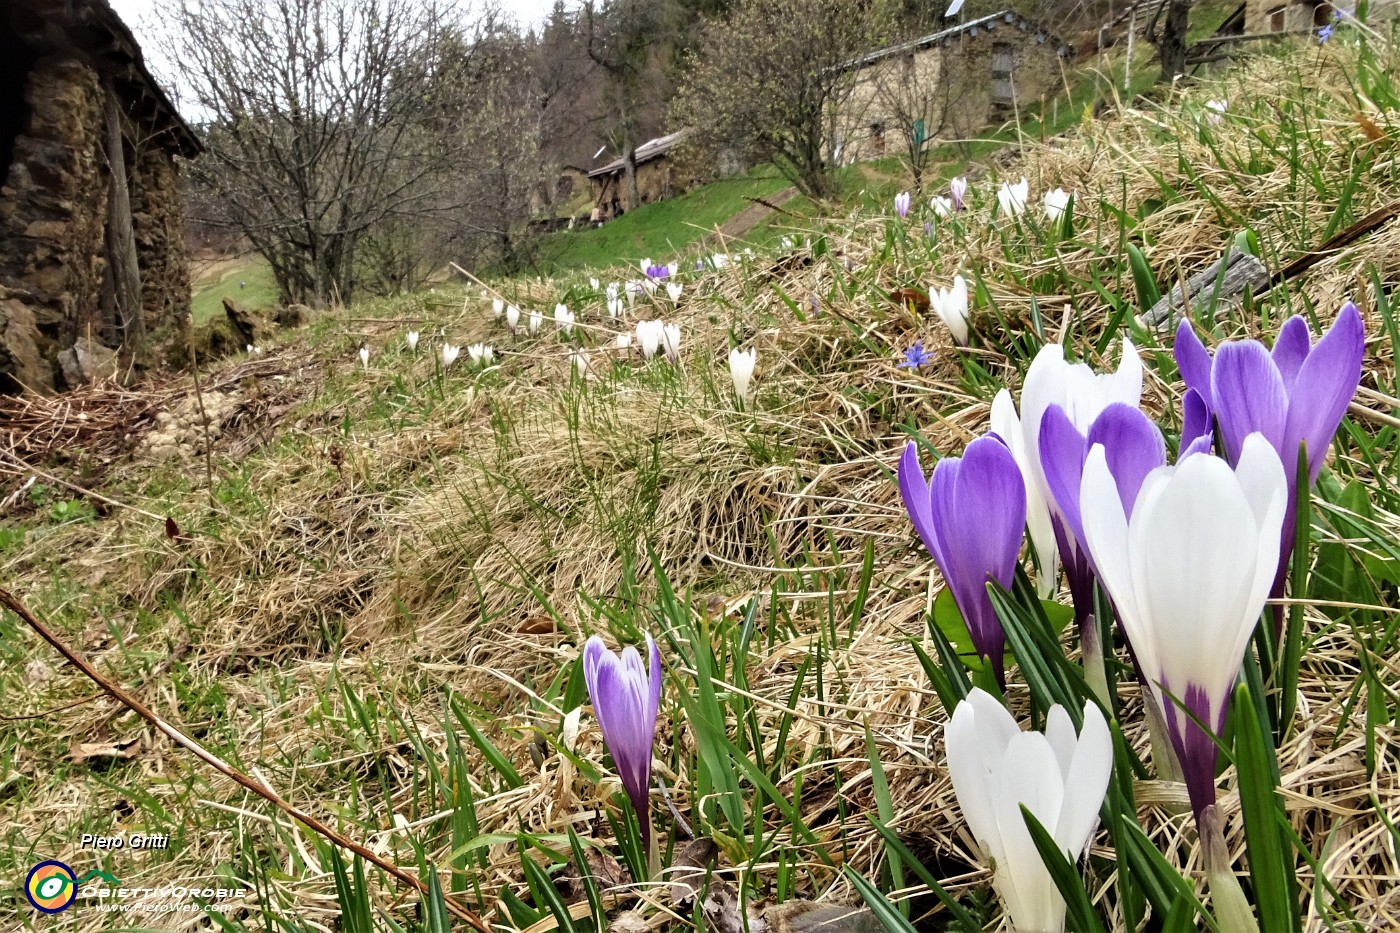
{"x": 139, "y": 16}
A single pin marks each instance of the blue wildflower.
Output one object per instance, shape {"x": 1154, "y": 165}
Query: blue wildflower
{"x": 1324, "y": 33}
{"x": 915, "y": 356}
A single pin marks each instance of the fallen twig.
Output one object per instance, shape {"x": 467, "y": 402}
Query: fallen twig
{"x": 262, "y": 790}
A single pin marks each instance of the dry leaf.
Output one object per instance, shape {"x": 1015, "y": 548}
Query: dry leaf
{"x": 687, "y": 874}
{"x": 536, "y": 625}
{"x": 103, "y": 753}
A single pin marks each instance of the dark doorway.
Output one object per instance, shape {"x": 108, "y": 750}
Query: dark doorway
{"x": 15, "y": 63}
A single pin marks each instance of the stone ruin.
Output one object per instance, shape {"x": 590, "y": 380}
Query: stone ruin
{"x": 93, "y": 269}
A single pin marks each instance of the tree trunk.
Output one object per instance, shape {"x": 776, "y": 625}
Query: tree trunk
{"x": 1172, "y": 48}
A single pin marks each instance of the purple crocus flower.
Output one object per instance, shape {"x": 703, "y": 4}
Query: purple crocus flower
{"x": 971, "y": 516}
{"x": 958, "y": 189}
{"x": 915, "y": 356}
{"x": 658, "y": 271}
{"x": 901, "y": 204}
{"x": 1295, "y": 395}
{"x": 626, "y": 698}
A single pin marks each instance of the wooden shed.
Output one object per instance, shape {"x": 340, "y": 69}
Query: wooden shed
{"x": 93, "y": 270}
{"x": 656, "y": 177}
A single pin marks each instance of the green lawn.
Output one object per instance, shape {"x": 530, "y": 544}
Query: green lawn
{"x": 259, "y": 291}
{"x": 661, "y": 229}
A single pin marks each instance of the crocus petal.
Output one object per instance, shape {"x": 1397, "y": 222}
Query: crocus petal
{"x": 1248, "y": 395}
{"x": 1062, "y": 453}
{"x": 1291, "y": 348}
{"x": 1105, "y": 524}
{"x": 1327, "y": 380}
{"x": 1193, "y": 360}
{"x": 1029, "y": 776}
{"x": 1134, "y": 446}
{"x": 1086, "y": 782}
{"x": 1007, "y": 425}
{"x": 1196, "y": 421}
{"x": 914, "y": 489}
{"x": 977, "y": 737}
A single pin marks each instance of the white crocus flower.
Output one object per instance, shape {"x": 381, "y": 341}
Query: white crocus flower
{"x": 364, "y": 356}
{"x": 649, "y": 336}
{"x": 513, "y": 318}
{"x": 719, "y": 260}
{"x": 1012, "y": 199}
{"x": 612, "y": 290}
{"x": 741, "y": 363}
{"x": 593, "y": 284}
{"x": 633, "y": 287}
{"x": 481, "y": 354}
{"x": 671, "y": 342}
{"x": 563, "y": 319}
{"x": 1189, "y": 573}
{"x": 942, "y": 206}
{"x": 673, "y": 290}
{"x": 579, "y": 360}
{"x": 649, "y": 285}
{"x": 250, "y": 349}
{"x": 623, "y": 341}
{"x": 950, "y": 304}
{"x": 1059, "y": 777}
{"x": 1055, "y": 204}
{"x": 646, "y": 264}
{"x": 449, "y": 354}
{"x": 536, "y": 319}
{"x": 614, "y": 307}
{"x": 1215, "y": 110}
{"x": 497, "y": 306}
{"x": 412, "y": 341}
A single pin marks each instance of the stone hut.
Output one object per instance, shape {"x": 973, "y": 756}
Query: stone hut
{"x": 656, "y": 177}
{"x": 950, "y": 83}
{"x": 93, "y": 270}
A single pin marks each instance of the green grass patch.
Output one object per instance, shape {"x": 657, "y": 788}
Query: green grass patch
{"x": 259, "y": 289}
{"x": 661, "y": 229}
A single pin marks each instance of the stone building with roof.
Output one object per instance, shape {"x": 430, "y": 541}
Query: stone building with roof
{"x": 93, "y": 270}
{"x": 948, "y": 84}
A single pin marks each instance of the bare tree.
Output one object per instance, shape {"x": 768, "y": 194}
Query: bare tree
{"x": 322, "y": 130}
{"x": 775, "y": 80}
{"x": 624, "y": 38}
{"x": 921, "y": 95}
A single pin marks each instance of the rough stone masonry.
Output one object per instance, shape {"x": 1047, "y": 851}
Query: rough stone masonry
{"x": 93, "y": 270}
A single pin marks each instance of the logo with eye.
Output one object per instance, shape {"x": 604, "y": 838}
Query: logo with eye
{"x": 51, "y": 887}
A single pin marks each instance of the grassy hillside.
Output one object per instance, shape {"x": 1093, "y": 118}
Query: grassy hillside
{"x": 248, "y": 280}
{"x": 660, "y": 229}
{"x": 372, "y": 594}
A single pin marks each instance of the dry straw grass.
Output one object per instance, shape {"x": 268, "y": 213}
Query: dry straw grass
{"x": 401, "y": 549}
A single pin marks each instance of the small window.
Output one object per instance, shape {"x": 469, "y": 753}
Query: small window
{"x": 1322, "y": 14}
{"x": 1276, "y": 17}
{"x": 1003, "y": 59}
{"x": 877, "y": 137}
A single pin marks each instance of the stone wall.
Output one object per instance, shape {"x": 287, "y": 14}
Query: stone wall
{"x": 157, "y": 215}
{"x": 93, "y": 269}
{"x": 52, "y": 221}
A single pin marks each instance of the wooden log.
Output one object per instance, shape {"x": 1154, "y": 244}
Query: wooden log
{"x": 123, "y": 264}
{"x": 1242, "y": 271}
